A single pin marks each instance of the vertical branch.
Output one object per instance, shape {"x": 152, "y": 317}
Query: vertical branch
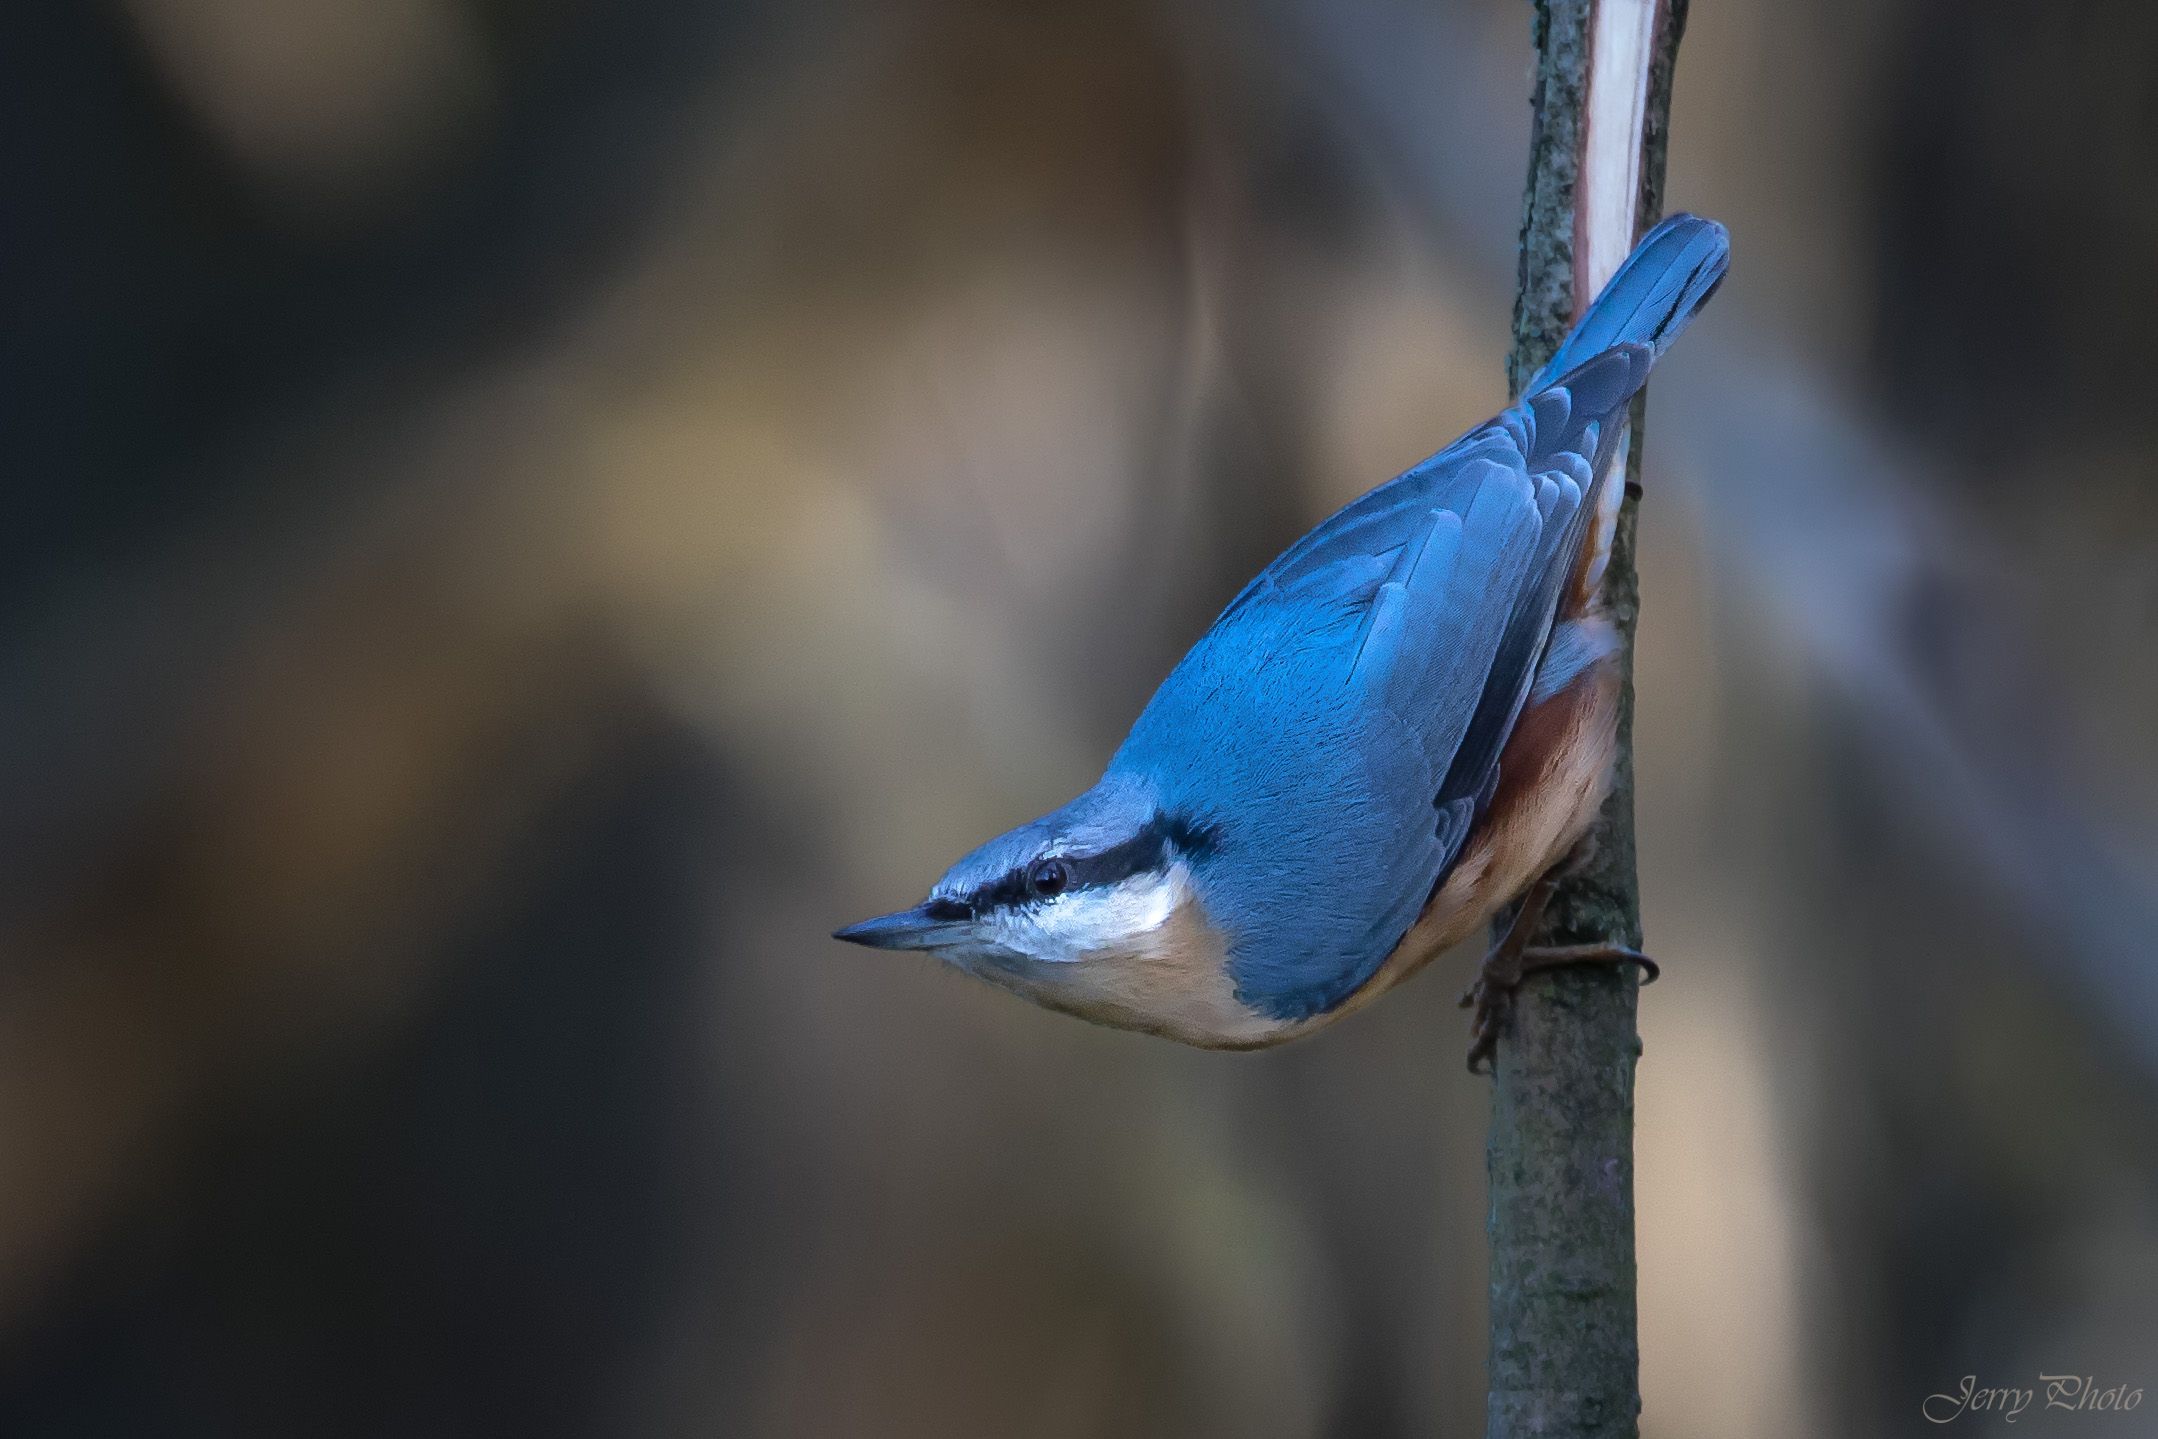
{"x": 1565, "y": 1356}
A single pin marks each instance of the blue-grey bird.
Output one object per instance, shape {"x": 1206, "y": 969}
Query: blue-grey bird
{"x": 1406, "y": 721}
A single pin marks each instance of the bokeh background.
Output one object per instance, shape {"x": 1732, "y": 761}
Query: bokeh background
{"x": 524, "y": 514}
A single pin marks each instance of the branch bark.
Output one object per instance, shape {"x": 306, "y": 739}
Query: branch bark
{"x": 1565, "y": 1355}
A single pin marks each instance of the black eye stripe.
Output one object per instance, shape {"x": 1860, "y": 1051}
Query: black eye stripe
{"x": 1163, "y": 839}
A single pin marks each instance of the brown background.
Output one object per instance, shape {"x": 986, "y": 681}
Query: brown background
{"x": 525, "y": 515}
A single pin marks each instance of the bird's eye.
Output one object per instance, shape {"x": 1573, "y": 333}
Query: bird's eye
{"x": 1048, "y": 877}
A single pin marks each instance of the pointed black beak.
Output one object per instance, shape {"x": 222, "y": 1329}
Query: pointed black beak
{"x": 905, "y": 929}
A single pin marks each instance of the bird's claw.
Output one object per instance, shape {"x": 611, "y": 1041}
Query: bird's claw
{"x": 1492, "y": 1002}
{"x": 1492, "y": 995}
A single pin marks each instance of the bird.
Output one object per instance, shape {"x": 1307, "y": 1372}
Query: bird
{"x": 1404, "y": 723}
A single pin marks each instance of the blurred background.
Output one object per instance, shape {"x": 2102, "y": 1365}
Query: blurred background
{"x": 524, "y": 514}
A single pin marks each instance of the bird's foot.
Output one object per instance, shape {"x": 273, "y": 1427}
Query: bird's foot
{"x": 1513, "y": 958}
{"x": 1492, "y": 995}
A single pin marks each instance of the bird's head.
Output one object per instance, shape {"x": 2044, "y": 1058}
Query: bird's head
{"x": 1096, "y": 909}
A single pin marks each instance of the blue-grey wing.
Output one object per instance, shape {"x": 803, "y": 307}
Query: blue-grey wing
{"x": 1484, "y": 618}
{"x": 1350, "y": 704}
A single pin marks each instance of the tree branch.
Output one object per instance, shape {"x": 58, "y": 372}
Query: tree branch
{"x": 1565, "y": 1356}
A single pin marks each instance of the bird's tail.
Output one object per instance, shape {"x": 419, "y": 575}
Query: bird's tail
{"x": 1656, "y": 292}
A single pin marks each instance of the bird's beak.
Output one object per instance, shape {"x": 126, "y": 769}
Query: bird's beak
{"x": 905, "y": 929}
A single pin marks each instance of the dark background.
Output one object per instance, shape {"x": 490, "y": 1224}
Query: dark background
{"x": 523, "y": 516}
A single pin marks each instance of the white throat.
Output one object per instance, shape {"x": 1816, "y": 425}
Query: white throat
{"x": 1083, "y": 923}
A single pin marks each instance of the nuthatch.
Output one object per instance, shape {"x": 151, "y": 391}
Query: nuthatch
{"x": 1406, "y": 721}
